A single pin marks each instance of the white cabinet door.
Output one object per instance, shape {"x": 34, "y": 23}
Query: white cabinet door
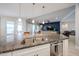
{"x": 44, "y": 50}
{"x": 6, "y": 54}
{"x": 65, "y": 47}
{"x": 24, "y": 52}
{"x": 41, "y": 50}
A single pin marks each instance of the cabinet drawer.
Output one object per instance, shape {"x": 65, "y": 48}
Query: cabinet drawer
{"x": 6, "y": 54}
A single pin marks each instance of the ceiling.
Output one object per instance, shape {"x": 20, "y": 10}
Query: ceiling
{"x": 29, "y": 10}
{"x": 60, "y": 15}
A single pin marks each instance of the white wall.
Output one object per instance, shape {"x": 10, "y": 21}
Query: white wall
{"x": 2, "y": 31}
{"x": 0, "y": 26}
{"x": 68, "y": 23}
{"x": 77, "y": 24}
{"x": 24, "y": 25}
{"x": 28, "y": 27}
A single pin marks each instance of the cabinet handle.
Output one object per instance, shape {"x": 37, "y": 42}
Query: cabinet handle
{"x": 37, "y": 55}
{"x": 51, "y": 44}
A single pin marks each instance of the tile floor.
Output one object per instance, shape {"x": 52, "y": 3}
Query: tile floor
{"x": 72, "y": 51}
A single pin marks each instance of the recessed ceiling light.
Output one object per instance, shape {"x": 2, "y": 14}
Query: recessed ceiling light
{"x": 19, "y": 19}
{"x": 57, "y": 17}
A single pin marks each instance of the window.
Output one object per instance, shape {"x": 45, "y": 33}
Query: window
{"x": 10, "y": 31}
{"x": 19, "y": 30}
{"x": 10, "y": 27}
{"x": 13, "y": 31}
{"x": 33, "y": 29}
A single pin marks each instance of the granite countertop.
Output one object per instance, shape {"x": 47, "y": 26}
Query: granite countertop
{"x": 30, "y": 44}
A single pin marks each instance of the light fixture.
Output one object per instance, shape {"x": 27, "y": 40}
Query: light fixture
{"x": 66, "y": 25}
{"x": 56, "y": 18}
{"x": 43, "y": 22}
{"x": 33, "y": 21}
{"x": 43, "y": 11}
{"x": 19, "y": 19}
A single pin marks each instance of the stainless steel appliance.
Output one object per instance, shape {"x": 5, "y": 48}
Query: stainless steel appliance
{"x": 56, "y": 49}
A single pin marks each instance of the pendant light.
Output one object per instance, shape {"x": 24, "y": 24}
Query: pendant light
{"x": 33, "y": 21}
{"x": 19, "y": 19}
{"x": 43, "y": 20}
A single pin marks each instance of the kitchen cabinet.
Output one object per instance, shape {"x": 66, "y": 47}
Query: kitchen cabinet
{"x": 65, "y": 47}
{"x": 6, "y": 54}
{"x": 25, "y": 52}
{"x": 41, "y": 50}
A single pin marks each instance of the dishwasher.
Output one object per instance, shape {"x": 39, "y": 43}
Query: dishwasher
{"x": 56, "y": 49}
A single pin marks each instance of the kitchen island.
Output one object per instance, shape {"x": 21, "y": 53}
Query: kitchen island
{"x": 37, "y": 45}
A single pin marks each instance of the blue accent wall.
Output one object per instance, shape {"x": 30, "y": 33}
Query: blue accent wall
{"x": 51, "y": 26}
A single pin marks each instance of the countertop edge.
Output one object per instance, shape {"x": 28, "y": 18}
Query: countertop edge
{"x": 7, "y": 51}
